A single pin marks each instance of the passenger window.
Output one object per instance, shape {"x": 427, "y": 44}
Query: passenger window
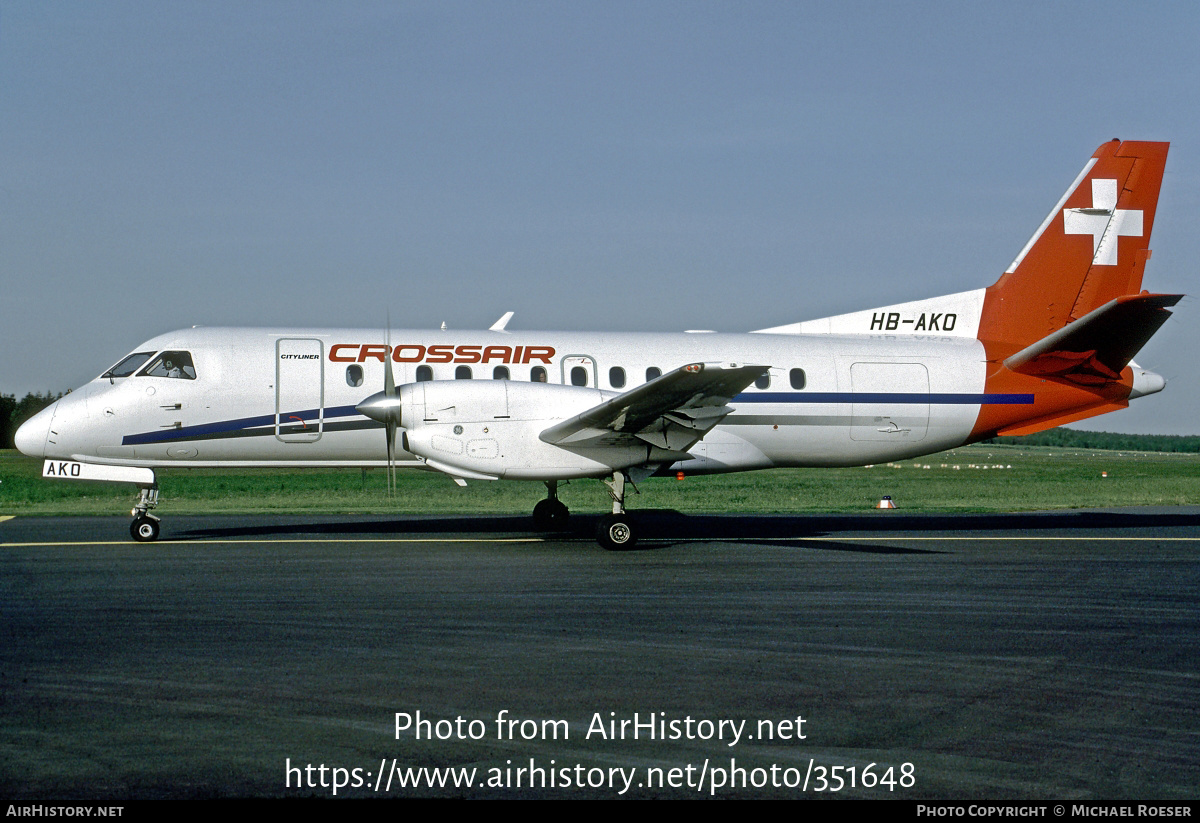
{"x": 653, "y": 372}
{"x": 798, "y": 379}
{"x": 616, "y": 377}
{"x": 537, "y": 374}
{"x": 171, "y": 364}
{"x": 500, "y": 373}
{"x": 462, "y": 373}
{"x": 763, "y": 382}
{"x": 354, "y": 375}
{"x": 579, "y": 376}
{"x": 424, "y": 374}
{"x": 129, "y": 365}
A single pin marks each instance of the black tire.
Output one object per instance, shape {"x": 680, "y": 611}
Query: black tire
{"x": 144, "y": 529}
{"x": 550, "y": 515}
{"x": 616, "y": 532}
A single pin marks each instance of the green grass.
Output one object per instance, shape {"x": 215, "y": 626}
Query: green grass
{"x": 1032, "y": 478}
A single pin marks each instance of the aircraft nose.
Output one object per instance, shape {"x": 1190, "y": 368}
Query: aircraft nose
{"x": 31, "y": 437}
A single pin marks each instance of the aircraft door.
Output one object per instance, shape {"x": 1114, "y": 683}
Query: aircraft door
{"x": 299, "y": 389}
{"x": 891, "y": 401}
{"x": 578, "y": 370}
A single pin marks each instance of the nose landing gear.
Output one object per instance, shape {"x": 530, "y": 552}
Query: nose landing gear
{"x": 145, "y": 526}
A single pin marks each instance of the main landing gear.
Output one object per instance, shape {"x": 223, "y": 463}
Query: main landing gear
{"x": 616, "y": 531}
{"x": 145, "y": 526}
{"x": 551, "y": 514}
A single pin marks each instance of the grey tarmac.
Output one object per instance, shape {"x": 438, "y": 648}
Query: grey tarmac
{"x": 1027, "y": 656}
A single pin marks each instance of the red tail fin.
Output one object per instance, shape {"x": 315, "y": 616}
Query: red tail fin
{"x": 1091, "y": 249}
{"x": 1061, "y": 324}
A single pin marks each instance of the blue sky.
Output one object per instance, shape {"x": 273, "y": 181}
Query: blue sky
{"x": 605, "y": 165}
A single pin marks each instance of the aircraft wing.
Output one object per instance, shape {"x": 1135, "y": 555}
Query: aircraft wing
{"x": 672, "y": 412}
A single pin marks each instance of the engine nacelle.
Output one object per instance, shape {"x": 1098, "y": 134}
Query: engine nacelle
{"x": 490, "y": 429}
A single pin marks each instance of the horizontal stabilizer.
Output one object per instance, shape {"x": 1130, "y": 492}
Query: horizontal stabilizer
{"x": 671, "y": 412}
{"x": 1098, "y": 346}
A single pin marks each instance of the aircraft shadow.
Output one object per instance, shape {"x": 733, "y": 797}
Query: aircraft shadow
{"x": 673, "y": 527}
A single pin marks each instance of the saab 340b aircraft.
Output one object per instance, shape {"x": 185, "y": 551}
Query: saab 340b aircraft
{"x": 1051, "y": 342}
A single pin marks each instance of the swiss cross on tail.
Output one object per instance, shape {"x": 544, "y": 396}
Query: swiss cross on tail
{"x": 1104, "y": 222}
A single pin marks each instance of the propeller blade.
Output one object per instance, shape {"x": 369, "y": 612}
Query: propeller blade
{"x": 389, "y": 382}
{"x": 384, "y": 407}
{"x": 391, "y": 451}
{"x": 389, "y": 391}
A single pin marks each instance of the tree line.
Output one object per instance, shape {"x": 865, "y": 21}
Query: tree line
{"x": 1072, "y": 439}
{"x": 14, "y": 412}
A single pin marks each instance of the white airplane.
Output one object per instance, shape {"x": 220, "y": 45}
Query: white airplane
{"x": 1051, "y": 342}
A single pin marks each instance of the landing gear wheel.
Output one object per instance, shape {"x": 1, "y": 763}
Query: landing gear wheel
{"x": 144, "y": 529}
{"x": 616, "y": 533}
{"x": 550, "y": 515}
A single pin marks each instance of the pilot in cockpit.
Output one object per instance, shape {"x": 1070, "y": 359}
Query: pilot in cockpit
{"x": 177, "y": 364}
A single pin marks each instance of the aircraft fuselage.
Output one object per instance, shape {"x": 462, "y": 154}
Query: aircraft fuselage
{"x": 271, "y": 397}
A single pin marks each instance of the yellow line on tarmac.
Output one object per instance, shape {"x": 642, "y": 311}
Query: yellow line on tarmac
{"x": 213, "y": 541}
{"x": 4, "y": 517}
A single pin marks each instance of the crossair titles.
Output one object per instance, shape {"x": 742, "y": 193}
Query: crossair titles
{"x": 416, "y": 353}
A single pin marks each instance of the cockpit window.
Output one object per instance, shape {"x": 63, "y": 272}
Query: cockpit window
{"x": 171, "y": 364}
{"x": 129, "y": 365}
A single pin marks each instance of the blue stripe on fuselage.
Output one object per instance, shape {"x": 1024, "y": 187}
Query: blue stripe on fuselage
{"x": 923, "y": 398}
{"x": 243, "y": 424}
